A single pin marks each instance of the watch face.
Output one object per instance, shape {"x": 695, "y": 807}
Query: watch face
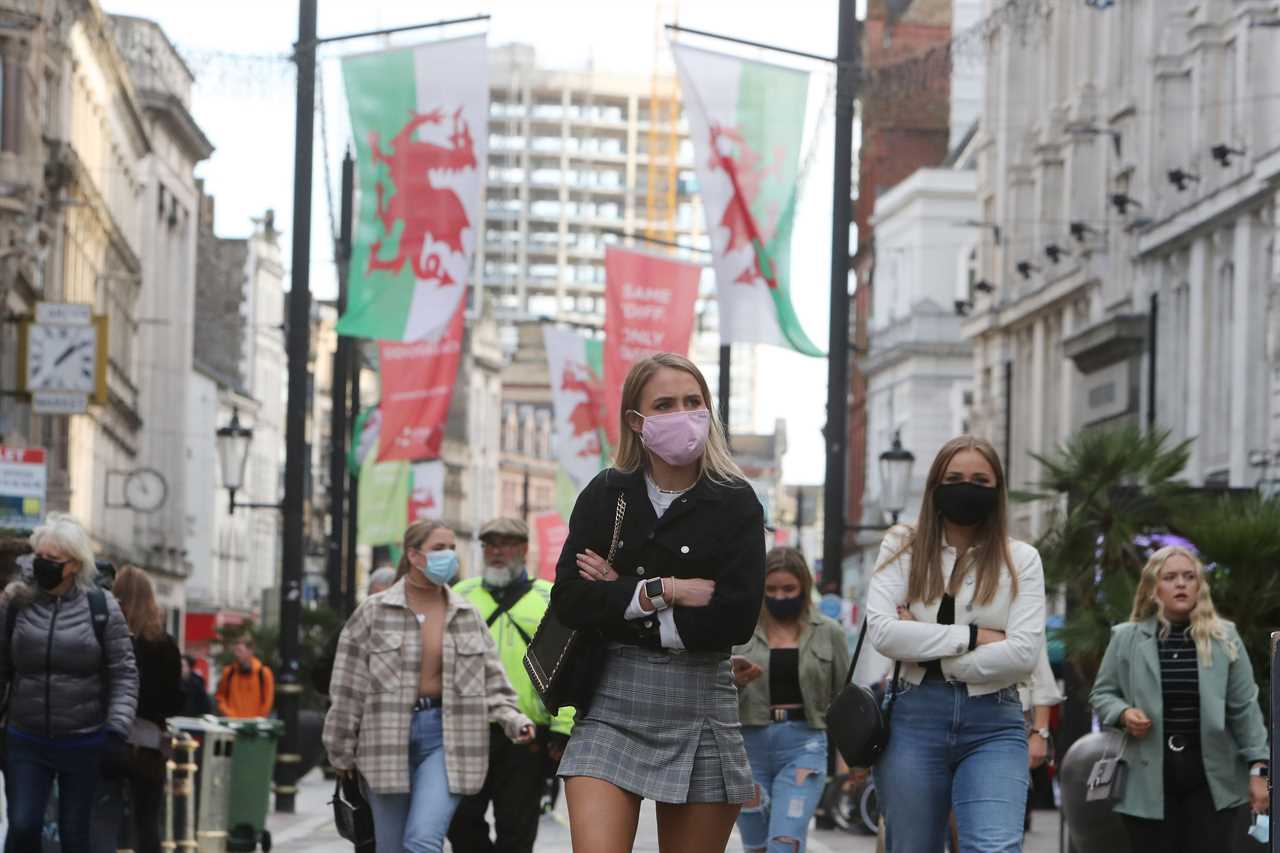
{"x": 653, "y": 588}
{"x": 61, "y": 358}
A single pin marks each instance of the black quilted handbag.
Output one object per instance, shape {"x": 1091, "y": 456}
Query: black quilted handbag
{"x": 563, "y": 663}
{"x": 855, "y": 723}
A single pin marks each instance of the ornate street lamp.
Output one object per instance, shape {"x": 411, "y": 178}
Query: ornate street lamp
{"x": 233, "y": 454}
{"x": 895, "y": 476}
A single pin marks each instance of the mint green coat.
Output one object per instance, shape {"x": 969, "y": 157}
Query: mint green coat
{"x": 1232, "y": 733}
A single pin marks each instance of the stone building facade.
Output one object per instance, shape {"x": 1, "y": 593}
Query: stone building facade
{"x": 1130, "y": 156}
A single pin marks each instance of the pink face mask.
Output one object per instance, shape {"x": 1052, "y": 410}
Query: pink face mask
{"x": 677, "y": 438}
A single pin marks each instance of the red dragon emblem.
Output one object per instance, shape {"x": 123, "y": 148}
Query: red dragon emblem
{"x": 425, "y": 210}
{"x": 746, "y": 177}
{"x": 588, "y": 416}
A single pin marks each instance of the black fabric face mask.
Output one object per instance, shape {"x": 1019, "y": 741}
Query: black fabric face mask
{"x": 784, "y": 609}
{"x": 48, "y": 574}
{"x": 965, "y": 504}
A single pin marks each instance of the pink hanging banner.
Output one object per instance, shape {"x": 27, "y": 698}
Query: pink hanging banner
{"x": 649, "y": 302}
{"x": 417, "y": 386}
{"x": 550, "y": 532}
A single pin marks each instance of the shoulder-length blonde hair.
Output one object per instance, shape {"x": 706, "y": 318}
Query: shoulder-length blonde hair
{"x": 414, "y": 535}
{"x": 137, "y": 599}
{"x": 782, "y": 558}
{"x": 989, "y": 552}
{"x": 716, "y": 464}
{"x": 1205, "y": 624}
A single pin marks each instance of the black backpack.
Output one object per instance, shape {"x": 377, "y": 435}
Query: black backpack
{"x": 97, "y": 610}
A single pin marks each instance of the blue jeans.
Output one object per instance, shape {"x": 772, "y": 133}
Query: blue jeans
{"x": 417, "y": 821}
{"x": 789, "y": 765}
{"x": 29, "y": 772}
{"x": 948, "y": 750}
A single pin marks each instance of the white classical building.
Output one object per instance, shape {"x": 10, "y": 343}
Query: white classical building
{"x": 919, "y": 366}
{"x": 1130, "y": 157}
{"x": 236, "y": 556}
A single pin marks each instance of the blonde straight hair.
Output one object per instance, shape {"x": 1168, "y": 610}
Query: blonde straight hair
{"x": 716, "y": 464}
{"x": 988, "y": 554}
{"x": 1205, "y": 624}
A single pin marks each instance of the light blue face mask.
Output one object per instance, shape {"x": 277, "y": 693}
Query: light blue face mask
{"x": 441, "y": 567}
{"x": 1260, "y": 831}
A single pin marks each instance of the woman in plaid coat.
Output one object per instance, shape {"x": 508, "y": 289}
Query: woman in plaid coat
{"x": 416, "y": 682}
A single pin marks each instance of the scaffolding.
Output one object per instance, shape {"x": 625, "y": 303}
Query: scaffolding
{"x": 662, "y": 171}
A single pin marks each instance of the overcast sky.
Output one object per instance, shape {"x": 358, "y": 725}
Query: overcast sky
{"x": 245, "y": 104}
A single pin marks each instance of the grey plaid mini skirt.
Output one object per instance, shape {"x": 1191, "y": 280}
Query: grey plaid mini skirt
{"x": 664, "y": 725}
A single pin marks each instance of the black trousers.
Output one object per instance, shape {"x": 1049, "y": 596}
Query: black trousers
{"x": 517, "y": 774}
{"x": 1191, "y": 824}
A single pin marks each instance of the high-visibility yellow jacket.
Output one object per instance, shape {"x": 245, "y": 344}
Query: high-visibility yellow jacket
{"x": 511, "y": 632}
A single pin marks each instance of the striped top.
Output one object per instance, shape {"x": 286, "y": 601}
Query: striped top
{"x": 1180, "y": 683}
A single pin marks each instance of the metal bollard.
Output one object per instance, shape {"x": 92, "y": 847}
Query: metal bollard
{"x": 181, "y": 775}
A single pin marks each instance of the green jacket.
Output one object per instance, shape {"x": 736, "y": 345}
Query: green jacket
{"x": 526, "y": 614}
{"x": 1232, "y": 733}
{"x": 824, "y": 663}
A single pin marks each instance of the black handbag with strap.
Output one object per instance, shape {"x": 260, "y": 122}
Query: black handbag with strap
{"x": 562, "y": 662}
{"x": 855, "y": 723}
{"x": 352, "y": 815}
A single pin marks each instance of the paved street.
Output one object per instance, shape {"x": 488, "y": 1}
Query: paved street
{"x": 311, "y": 829}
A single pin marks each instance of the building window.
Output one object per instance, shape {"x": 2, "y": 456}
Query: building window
{"x": 11, "y": 88}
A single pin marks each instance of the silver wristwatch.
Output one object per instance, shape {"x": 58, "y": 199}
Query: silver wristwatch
{"x": 653, "y": 589}
{"x": 1044, "y": 733}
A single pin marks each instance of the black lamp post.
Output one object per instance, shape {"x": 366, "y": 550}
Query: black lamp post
{"x": 233, "y": 442}
{"x": 895, "y": 477}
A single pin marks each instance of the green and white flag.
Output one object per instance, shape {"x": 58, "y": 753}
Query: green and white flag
{"x": 746, "y": 120}
{"x": 383, "y": 510}
{"x": 420, "y": 119}
{"x": 575, "y": 364}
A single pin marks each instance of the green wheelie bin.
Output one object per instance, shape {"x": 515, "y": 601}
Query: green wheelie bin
{"x": 252, "y": 768}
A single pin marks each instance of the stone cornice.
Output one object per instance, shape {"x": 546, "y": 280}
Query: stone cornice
{"x": 170, "y": 109}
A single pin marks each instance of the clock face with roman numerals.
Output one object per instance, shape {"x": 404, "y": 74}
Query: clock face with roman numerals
{"x": 61, "y": 358}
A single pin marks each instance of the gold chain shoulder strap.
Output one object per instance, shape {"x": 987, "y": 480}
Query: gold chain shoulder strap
{"x": 618, "y": 512}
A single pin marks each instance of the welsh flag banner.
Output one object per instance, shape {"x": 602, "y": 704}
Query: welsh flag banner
{"x": 364, "y": 438}
{"x": 417, "y": 385}
{"x": 420, "y": 119}
{"x": 746, "y": 120}
{"x": 648, "y": 308}
{"x": 578, "y": 405}
{"x": 382, "y": 513}
{"x": 393, "y": 494}
{"x": 426, "y": 497}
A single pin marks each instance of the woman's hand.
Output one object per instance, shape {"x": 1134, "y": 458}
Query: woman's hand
{"x": 905, "y": 614}
{"x": 1259, "y": 794}
{"x": 744, "y": 671}
{"x": 525, "y": 735}
{"x": 1135, "y": 722}
{"x": 694, "y": 592}
{"x": 1037, "y": 750}
{"x": 592, "y": 567}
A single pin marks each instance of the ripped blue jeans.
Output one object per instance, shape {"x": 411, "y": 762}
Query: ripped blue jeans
{"x": 789, "y": 765}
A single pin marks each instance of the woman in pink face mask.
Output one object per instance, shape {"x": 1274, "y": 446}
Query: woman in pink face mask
{"x": 685, "y": 585}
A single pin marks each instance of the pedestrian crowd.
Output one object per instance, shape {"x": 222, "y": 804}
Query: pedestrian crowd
{"x": 705, "y": 677}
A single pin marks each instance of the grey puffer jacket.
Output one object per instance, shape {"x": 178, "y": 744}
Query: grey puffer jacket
{"x": 59, "y": 685}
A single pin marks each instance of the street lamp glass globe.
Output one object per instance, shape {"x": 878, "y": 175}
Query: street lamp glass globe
{"x": 233, "y": 451}
{"x": 895, "y": 477}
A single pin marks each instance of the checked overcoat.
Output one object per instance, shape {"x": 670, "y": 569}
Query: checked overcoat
{"x": 375, "y": 684}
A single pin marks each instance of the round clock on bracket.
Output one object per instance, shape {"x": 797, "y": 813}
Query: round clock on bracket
{"x": 145, "y": 490}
